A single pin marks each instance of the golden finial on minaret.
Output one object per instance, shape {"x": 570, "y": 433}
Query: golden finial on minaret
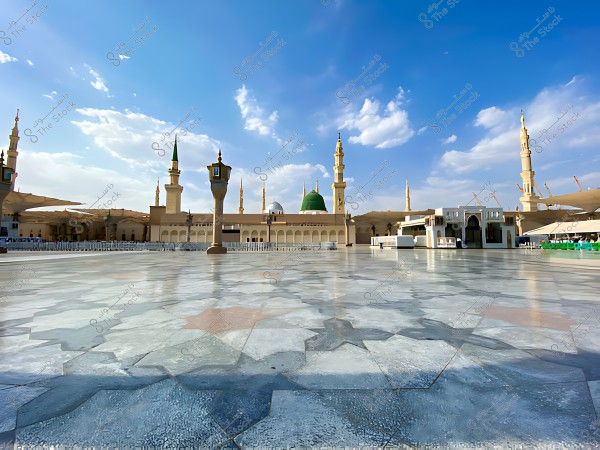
{"x": 524, "y": 135}
{"x": 522, "y": 120}
{"x": 304, "y": 191}
{"x": 219, "y": 160}
{"x": 317, "y": 187}
{"x": 407, "y": 206}
{"x": 15, "y": 129}
{"x": 264, "y": 194}
{"x": 157, "y": 195}
{"x": 241, "y": 207}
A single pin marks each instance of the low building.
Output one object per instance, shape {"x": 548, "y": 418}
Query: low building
{"x": 475, "y": 226}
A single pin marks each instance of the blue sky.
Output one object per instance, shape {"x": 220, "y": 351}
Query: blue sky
{"x": 386, "y": 75}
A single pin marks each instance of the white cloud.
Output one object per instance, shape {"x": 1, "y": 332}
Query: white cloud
{"x": 36, "y": 171}
{"x": 30, "y": 63}
{"x": 493, "y": 118}
{"x": 438, "y": 192}
{"x": 255, "y": 118}
{"x": 486, "y": 153}
{"x": 98, "y": 83}
{"x": 127, "y": 137}
{"x": 50, "y": 95}
{"x": 500, "y": 143}
{"x": 389, "y": 129}
{"x": 5, "y": 58}
{"x": 136, "y": 138}
{"x": 450, "y": 140}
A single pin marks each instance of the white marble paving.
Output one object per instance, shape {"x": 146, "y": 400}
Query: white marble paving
{"x": 410, "y": 363}
{"x": 542, "y": 338}
{"x": 268, "y": 341}
{"x": 359, "y": 368}
{"x": 306, "y": 361}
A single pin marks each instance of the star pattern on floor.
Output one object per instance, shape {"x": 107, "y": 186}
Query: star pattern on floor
{"x": 530, "y": 317}
{"x": 340, "y": 331}
{"x": 436, "y": 330}
{"x": 589, "y": 362}
{"x": 218, "y": 320}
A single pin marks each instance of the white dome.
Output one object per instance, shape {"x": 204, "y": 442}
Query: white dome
{"x": 274, "y": 208}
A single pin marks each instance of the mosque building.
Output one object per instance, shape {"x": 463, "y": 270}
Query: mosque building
{"x": 313, "y": 222}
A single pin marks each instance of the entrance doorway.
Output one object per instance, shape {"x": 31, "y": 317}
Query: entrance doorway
{"x": 473, "y": 232}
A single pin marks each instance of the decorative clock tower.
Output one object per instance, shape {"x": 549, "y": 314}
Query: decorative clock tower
{"x": 218, "y": 173}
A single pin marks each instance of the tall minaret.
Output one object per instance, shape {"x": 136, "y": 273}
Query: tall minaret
{"x": 407, "y": 205}
{"x": 11, "y": 155}
{"x": 527, "y": 173}
{"x": 339, "y": 185}
{"x": 241, "y": 208}
{"x": 157, "y": 194}
{"x": 264, "y": 194}
{"x": 173, "y": 188}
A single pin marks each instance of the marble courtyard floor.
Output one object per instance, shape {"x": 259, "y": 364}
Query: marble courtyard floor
{"x": 353, "y": 347}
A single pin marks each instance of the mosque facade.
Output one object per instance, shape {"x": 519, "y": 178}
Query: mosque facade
{"x": 311, "y": 224}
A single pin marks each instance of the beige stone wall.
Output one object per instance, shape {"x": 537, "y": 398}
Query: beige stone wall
{"x": 294, "y": 234}
{"x": 130, "y": 231}
{"x": 364, "y": 231}
{"x": 279, "y": 234}
{"x": 34, "y": 229}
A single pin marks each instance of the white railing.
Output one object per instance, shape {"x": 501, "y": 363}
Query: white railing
{"x": 446, "y": 242}
{"x": 99, "y": 246}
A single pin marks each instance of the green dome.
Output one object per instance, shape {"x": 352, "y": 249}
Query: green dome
{"x": 313, "y": 202}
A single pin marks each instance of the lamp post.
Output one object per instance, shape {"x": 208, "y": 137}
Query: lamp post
{"x": 347, "y": 217}
{"x": 6, "y": 176}
{"x": 269, "y": 220}
{"x": 218, "y": 174}
{"x": 106, "y": 226}
{"x": 188, "y": 220}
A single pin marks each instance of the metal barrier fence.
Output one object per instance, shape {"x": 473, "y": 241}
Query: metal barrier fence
{"x": 86, "y": 246}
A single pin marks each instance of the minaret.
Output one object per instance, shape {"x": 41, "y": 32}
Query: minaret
{"x": 173, "y": 188}
{"x": 241, "y": 208}
{"x": 157, "y": 194}
{"x": 339, "y": 185}
{"x": 407, "y": 205}
{"x": 527, "y": 173}
{"x": 263, "y": 198}
{"x": 11, "y": 155}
